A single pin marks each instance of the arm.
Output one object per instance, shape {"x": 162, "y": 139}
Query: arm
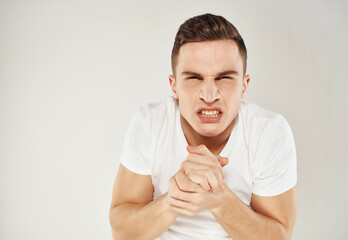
{"x": 269, "y": 217}
{"x": 133, "y": 212}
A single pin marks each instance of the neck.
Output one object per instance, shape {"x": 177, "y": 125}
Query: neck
{"x": 215, "y": 144}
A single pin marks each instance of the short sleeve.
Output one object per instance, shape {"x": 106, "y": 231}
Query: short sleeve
{"x": 275, "y": 167}
{"x": 135, "y": 152}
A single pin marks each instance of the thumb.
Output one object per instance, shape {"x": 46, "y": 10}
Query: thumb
{"x": 223, "y": 161}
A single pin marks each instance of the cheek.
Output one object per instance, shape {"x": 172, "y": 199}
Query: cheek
{"x": 188, "y": 90}
{"x": 230, "y": 90}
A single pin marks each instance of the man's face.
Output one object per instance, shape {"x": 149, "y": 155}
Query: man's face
{"x": 209, "y": 84}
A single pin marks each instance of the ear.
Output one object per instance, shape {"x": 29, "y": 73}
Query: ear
{"x": 246, "y": 81}
{"x": 172, "y": 83}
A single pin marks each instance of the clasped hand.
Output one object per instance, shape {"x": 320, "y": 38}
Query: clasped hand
{"x": 199, "y": 184}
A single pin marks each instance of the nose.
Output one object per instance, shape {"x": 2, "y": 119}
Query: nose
{"x": 209, "y": 92}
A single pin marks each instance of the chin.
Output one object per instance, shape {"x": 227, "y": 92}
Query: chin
{"x": 209, "y": 132}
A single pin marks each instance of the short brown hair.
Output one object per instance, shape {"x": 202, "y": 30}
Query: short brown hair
{"x": 207, "y": 27}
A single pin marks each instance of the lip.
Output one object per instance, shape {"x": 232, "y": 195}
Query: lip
{"x": 209, "y": 119}
{"x": 210, "y": 109}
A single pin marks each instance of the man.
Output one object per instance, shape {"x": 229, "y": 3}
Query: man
{"x": 203, "y": 164}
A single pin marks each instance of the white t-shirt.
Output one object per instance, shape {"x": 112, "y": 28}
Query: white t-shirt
{"x": 260, "y": 149}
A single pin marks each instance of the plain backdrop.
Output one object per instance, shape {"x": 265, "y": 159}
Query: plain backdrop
{"x": 73, "y": 72}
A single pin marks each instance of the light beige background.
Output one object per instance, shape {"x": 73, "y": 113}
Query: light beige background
{"x": 73, "y": 72}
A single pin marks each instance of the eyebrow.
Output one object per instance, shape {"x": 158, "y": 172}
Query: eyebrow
{"x": 228, "y": 72}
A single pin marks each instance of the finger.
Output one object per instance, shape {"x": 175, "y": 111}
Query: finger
{"x": 204, "y": 177}
{"x": 212, "y": 179}
{"x": 182, "y": 211}
{"x": 199, "y": 179}
{"x": 197, "y": 162}
{"x": 189, "y": 165}
{"x": 201, "y": 150}
{"x": 203, "y": 159}
{"x": 219, "y": 177}
{"x": 185, "y": 184}
{"x": 209, "y": 178}
{"x": 179, "y": 203}
{"x": 223, "y": 160}
{"x": 175, "y": 192}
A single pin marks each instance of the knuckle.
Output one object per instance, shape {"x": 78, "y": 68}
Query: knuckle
{"x": 210, "y": 172}
{"x": 171, "y": 184}
{"x": 211, "y": 161}
{"x": 214, "y": 185}
{"x": 183, "y": 186}
{"x": 176, "y": 193}
{"x": 213, "y": 168}
{"x": 177, "y": 177}
{"x": 206, "y": 172}
{"x": 183, "y": 165}
{"x": 216, "y": 170}
{"x": 201, "y": 181}
{"x": 192, "y": 178}
{"x": 202, "y": 147}
{"x": 216, "y": 164}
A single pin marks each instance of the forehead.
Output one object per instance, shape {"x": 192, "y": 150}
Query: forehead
{"x": 210, "y": 57}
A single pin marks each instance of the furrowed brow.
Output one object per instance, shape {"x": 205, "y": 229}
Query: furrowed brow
{"x": 191, "y": 74}
{"x": 229, "y": 72}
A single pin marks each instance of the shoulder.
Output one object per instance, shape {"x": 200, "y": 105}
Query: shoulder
{"x": 156, "y": 112}
{"x": 261, "y": 126}
{"x": 153, "y": 118}
{"x": 258, "y": 119}
{"x": 142, "y": 136}
{"x": 271, "y": 148}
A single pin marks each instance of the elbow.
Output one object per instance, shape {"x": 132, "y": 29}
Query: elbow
{"x": 117, "y": 235}
{"x": 119, "y": 228}
{"x": 288, "y": 228}
{"x": 116, "y": 225}
{"x": 288, "y": 234}
{"x": 112, "y": 217}
{"x": 285, "y": 232}
{"x": 276, "y": 230}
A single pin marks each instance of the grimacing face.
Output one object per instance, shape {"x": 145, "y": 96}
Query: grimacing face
{"x": 209, "y": 85}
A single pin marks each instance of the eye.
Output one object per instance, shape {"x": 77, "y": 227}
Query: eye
{"x": 224, "y": 77}
{"x": 194, "y": 78}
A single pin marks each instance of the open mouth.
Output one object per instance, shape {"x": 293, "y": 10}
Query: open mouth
{"x": 210, "y": 113}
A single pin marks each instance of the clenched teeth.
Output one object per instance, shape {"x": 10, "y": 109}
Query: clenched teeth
{"x": 207, "y": 113}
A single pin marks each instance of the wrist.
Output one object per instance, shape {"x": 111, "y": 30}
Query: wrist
{"x": 227, "y": 198}
{"x": 166, "y": 206}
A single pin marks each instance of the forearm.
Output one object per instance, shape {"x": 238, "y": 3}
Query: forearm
{"x": 243, "y": 223}
{"x": 141, "y": 221}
